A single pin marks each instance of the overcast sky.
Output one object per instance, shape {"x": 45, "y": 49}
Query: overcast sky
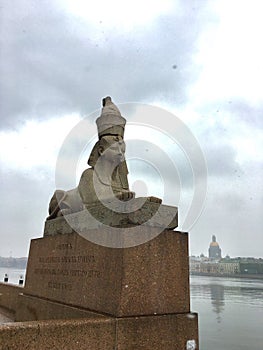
{"x": 199, "y": 60}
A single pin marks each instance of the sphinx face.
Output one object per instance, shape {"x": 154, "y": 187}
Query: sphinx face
{"x": 114, "y": 151}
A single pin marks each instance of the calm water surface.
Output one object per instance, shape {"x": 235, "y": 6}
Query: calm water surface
{"x": 230, "y": 312}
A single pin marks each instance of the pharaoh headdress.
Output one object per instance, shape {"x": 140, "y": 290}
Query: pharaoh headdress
{"x": 112, "y": 123}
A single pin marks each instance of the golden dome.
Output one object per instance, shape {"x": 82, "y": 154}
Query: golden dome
{"x": 214, "y": 244}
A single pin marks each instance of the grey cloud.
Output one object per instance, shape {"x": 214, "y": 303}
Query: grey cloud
{"x": 51, "y": 63}
{"x": 252, "y": 115}
{"x": 221, "y": 161}
{"x": 240, "y": 111}
{"x": 155, "y": 162}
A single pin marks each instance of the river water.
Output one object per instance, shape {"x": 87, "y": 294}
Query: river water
{"x": 230, "y": 310}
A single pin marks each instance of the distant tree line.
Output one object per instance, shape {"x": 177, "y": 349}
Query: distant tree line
{"x": 18, "y": 263}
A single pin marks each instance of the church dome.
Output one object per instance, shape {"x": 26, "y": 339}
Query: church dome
{"x": 214, "y": 249}
{"x": 214, "y": 244}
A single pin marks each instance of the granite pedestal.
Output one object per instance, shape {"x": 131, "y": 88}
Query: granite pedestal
{"x": 143, "y": 290}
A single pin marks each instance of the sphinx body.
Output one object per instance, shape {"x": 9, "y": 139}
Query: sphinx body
{"x": 105, "y": 180}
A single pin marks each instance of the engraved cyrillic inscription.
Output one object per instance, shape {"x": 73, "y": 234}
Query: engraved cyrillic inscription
{"x": 66, "y": 266}
{"x": 84, "y": 273}
{"x": 67, "y": 259}
{"x": 64, "y": 246}
{"x": 59, "y": 285}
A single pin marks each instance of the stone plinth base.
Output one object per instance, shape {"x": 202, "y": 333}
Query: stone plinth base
{"x": 139, "y": 211}
{"x": 148, "y": 279}
{"x": 162, "y": 332}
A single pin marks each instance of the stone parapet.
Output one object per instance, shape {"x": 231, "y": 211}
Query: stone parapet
{"x": 175, "y": 332}
{"x": 34, "y": 308}
{"x": 9, "y": 295}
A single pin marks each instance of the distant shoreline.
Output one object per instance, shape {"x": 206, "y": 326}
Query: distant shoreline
{"x": 15, "y": 263}
{"x": 236, "y": 275}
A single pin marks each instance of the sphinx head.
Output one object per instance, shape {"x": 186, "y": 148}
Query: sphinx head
{"x": 110, "y": 149}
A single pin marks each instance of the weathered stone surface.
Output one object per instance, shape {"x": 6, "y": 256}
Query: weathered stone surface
{"x": 164, "y": 332}
{"x": 31, "y": 308}
{"x": 173, "y": 332}
{"x": 137, "y": 212}
{"x": 81, "y": 334}
{"x": 151, "y": 278}
{"x": 6, "y": 316}
{"x": 9, "y": 295}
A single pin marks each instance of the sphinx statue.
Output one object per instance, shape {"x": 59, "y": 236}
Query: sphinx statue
{"x": 103, "y": 196}
{"x": 106, "y": 179}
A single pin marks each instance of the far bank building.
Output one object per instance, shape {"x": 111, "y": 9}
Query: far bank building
{"x": 214, "y": 251}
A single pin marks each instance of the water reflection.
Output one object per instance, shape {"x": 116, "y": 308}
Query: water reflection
{"x": 213, "y": 291}
{"x": 217, "y": 299}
